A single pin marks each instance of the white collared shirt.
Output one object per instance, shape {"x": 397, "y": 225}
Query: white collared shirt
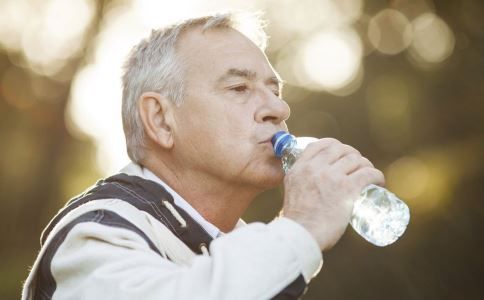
{"x": 211, "y": 229}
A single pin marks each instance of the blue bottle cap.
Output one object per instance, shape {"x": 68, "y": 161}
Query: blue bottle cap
{"x": 280, "y": 140}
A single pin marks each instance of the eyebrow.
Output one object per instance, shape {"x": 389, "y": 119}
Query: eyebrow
{"x": 250, "y": 75}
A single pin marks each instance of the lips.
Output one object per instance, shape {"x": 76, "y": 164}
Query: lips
{"x": 268, "y": 139}
{"x": 265, "y": 141}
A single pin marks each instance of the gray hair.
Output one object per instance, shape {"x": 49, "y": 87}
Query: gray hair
{"x": 152, "y": 65}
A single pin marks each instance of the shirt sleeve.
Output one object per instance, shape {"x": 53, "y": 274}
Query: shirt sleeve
{"x": 257, "y": 261}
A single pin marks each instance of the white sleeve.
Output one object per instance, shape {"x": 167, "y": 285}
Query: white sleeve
{"x": 97, "y": 261}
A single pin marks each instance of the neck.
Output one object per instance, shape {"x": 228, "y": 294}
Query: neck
{"x": 220, "y": 203}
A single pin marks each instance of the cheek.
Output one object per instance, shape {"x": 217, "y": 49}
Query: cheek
{"x": 197, "y": 121}
{"x": 220, "y": 122}
{"x": 240, "y": 119}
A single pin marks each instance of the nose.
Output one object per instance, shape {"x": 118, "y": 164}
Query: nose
{"x": 272, "y": 109}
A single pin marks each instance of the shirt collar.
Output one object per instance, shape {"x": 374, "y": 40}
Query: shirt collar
{"x": 212, "y": 230}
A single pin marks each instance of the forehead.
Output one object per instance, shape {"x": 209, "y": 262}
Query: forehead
{"x": 211, "y": 53}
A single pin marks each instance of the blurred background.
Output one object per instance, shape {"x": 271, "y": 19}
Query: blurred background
{"x": 402, "y": 81}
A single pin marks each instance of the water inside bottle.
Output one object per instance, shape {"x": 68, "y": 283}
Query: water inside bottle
{"x": 379, "y": 216}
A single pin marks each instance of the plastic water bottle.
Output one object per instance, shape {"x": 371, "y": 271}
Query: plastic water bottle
{"x": 378, "y": 215}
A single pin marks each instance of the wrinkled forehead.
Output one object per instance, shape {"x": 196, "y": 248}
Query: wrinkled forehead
{"x": 219, "y": 49}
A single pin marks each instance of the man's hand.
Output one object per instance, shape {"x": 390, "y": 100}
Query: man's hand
{"x": 321, "y": 187}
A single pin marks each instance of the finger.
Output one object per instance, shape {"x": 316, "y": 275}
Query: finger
{"x": 316, "y": 148}
{"x": 343, "y": 150}
{"x": 336, "y": 151}
{"x": 350, "y": 163}
{"x": 366, "y": 176}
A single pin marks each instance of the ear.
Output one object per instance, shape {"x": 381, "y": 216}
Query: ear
{"x": 156, "y": 112}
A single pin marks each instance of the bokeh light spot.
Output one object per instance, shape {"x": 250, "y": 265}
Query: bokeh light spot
{"x": 407, "y": 177}
{"x": 433, "y": 41}
{"x": 155, "y": 13}
{"x": 390, "y": 32}
{"x": 13, "y": 21}
{"x": 332, "y": 58}
{"x": 52, "y": 36}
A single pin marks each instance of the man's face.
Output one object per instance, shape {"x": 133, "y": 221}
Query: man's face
{"x": 230, "y": 111}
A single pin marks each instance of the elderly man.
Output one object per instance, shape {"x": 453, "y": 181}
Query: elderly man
{"x": 200, "y": 105}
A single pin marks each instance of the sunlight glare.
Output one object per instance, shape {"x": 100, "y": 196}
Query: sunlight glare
{"x": 155, "y": 13}
{"x": 12, "y": 22}
{"x": 52, "y": 36}
{"x": 332, "y": 58}
{"x": 95, "y": 104}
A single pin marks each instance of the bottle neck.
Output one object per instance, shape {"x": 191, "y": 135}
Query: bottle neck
{"x": 288, "y": 146}
{"x": 281, "y": 141}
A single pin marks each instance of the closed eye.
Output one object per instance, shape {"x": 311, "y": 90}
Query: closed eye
{"x": 239, "y": 88}
{"x": 242, "y": 88}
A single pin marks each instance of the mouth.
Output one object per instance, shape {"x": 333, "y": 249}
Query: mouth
{"x": 269, "y": 139}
